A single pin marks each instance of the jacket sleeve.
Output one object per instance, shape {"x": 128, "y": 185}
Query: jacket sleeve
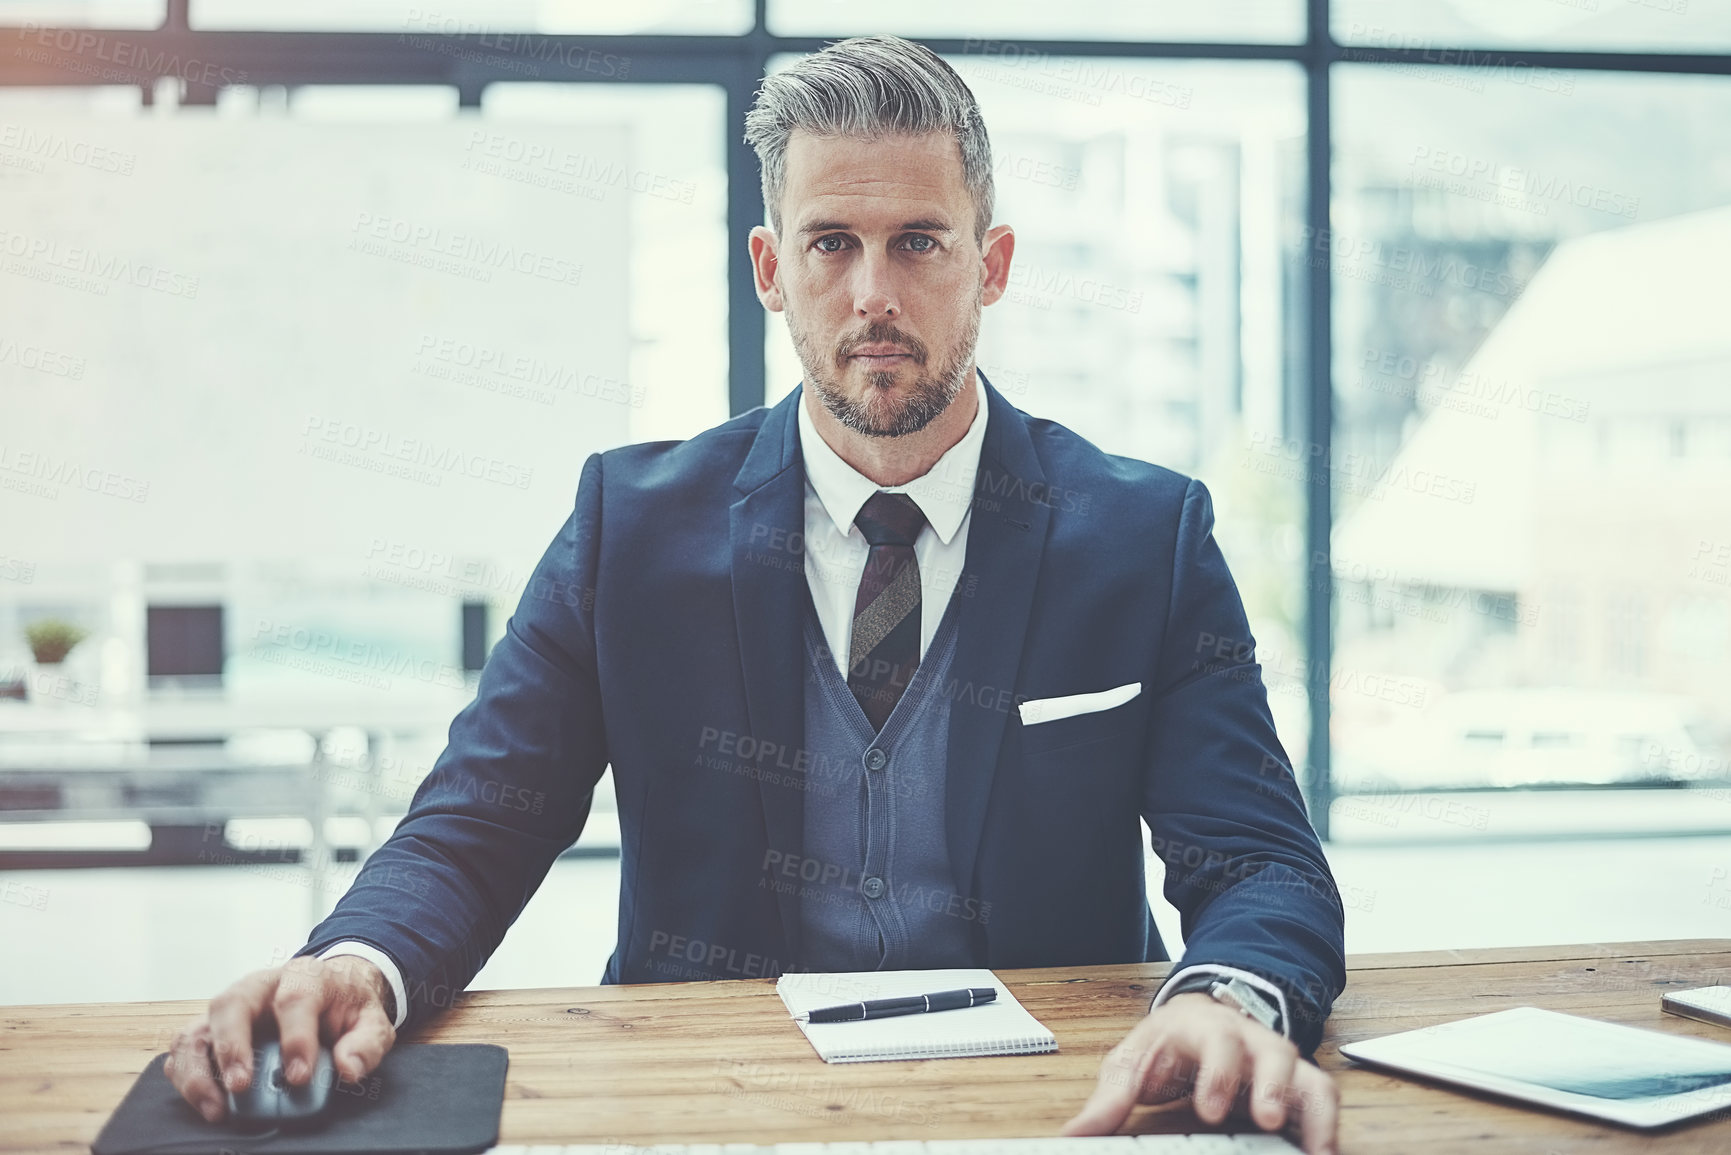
{"x": 509, "y": 793}
{"x": 1243, "y": 865}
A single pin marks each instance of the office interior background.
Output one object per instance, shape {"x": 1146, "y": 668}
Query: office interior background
{"x": 311, "y": 311}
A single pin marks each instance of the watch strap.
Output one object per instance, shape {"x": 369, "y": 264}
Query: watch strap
{"x": 1231, "y": 991}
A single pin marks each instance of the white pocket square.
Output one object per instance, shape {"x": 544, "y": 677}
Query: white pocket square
{"x": 1037, "y": 710}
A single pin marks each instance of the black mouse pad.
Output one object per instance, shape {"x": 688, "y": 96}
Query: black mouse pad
{"x": 437, "y": 1099}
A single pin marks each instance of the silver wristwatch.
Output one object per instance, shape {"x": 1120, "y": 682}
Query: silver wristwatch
{"x": 1237, "y": 993}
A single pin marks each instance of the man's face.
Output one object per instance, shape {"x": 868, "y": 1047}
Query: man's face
{"x": 877, "y": 269}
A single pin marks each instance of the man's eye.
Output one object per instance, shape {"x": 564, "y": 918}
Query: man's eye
{"x": 823, "y": 244}
{"x": 922, "y": 244}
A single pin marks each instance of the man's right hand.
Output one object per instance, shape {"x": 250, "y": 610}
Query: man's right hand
{"x": 339, "y": 1000}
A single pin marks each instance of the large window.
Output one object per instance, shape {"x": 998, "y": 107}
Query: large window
{"x": 1449, "y": 357}
{"x": 1533, "y": 439}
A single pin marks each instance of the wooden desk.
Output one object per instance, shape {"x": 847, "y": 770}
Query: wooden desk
{"x": 695, "y": 1062}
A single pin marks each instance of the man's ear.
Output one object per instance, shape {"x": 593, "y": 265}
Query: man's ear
{"x": 996, "y": 249}
{"x": 764, "y": 265}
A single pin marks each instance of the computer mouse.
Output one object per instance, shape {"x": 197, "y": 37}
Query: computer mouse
{"x": 270, "y": 1100}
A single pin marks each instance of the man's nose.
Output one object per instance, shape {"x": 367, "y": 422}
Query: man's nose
{"x": 874, "y": 290}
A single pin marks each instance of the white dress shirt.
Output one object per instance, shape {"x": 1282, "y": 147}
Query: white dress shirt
{"x": 836, "y": 551}
{"x": 835, "y": 559}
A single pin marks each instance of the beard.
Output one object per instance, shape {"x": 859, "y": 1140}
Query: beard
{"x": 879, "y": 412}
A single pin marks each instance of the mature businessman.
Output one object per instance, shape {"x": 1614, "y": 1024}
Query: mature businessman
{"x": 888, "y": 675}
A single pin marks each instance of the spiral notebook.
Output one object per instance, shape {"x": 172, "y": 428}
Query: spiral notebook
{"x": 1001, "y": 1027}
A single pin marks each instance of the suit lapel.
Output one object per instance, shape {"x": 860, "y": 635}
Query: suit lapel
{"x": 1006, "y": 539}
{"x": 767, "y": 532}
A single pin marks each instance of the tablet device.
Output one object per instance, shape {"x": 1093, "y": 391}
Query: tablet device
{"x": 1708, "y": 1004}
{"x": 1608, "y": 1071}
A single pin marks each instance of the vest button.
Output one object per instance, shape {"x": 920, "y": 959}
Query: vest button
{"x": 876, "y": 759}
{"x": 872, "y": 887}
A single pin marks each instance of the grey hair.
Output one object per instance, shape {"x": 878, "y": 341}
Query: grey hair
{"x": 869, "y": 86}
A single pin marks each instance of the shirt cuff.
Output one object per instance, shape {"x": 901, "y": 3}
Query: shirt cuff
{"x": 381, "y": 960}
{"x": 1257, "y": 981}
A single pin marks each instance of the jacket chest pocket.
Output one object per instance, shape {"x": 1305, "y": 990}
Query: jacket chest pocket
{"x": 1110, "y": 734}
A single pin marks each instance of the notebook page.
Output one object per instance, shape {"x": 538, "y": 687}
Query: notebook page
{"x": 1002, "y": 1027}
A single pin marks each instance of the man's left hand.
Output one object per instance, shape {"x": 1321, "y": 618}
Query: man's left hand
{"x": 1192, "y": 1046}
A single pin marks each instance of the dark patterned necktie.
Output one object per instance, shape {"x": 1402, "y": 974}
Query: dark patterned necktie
{"x": 885, "y": 647}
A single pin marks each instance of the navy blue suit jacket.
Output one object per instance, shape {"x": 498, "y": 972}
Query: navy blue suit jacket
{"x": 660, "y": 634}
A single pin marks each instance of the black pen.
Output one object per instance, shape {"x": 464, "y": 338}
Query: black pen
{"x": 907, "y": 1005}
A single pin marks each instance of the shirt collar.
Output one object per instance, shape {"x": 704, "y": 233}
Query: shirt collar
{"x": 944, "y": 493}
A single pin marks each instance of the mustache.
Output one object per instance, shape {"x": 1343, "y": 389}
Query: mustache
{"x": 882, "y": 335}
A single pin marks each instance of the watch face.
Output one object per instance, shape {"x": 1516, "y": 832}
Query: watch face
{"x": 1247, "y": 999}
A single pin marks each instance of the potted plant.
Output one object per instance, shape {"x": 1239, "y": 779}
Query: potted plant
{"x": 52, "y": 639}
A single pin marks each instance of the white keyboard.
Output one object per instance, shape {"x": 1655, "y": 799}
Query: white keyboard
{"x": 1250, "y": 1144}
